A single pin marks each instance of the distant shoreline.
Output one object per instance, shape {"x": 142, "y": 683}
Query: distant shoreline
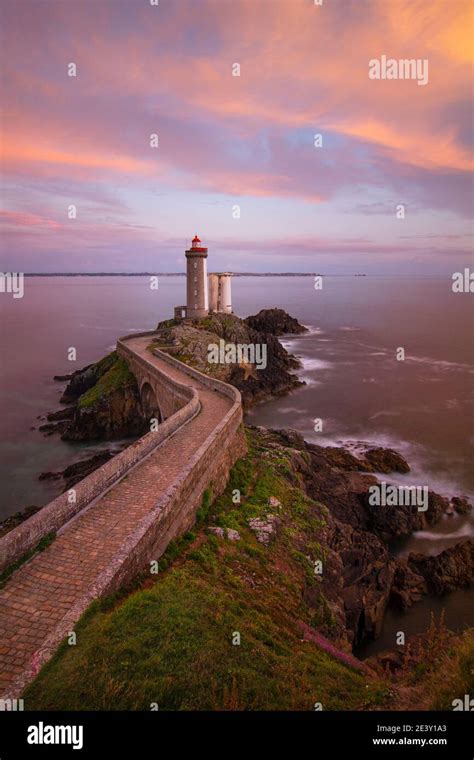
{"x": 173, "y": 274}
{"x": 234, "y": 274}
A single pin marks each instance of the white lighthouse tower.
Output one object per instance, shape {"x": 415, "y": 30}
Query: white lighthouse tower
{"x": 197, "y": 298}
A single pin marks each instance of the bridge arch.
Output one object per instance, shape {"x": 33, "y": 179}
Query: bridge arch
{"x": 149, "y": 402}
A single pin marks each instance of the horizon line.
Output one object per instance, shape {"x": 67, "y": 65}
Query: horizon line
{"x": 164, "y": 274}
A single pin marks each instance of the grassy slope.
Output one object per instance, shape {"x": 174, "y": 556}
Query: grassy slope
{"x": 117, "y": 375}
{"x": 444, "y": 672}
{"x": 169, "y": 640}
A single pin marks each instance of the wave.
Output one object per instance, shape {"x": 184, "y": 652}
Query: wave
{"x": 310, "y": 364}
{"x": 441, "y": 363}
{"x": 384, "y": 414}
{"x": 465, "y": 531}
{"x": 422, "y": 468}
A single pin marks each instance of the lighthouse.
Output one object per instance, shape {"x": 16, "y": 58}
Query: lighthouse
{"x": 197, "y": 298}
{"x": 198, "y": 287}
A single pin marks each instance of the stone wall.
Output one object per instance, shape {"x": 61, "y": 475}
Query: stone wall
{"x": 209, "y": 468}
{"x": 173, "y": 514}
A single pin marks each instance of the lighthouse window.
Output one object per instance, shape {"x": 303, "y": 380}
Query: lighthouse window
{"x": 195, "y": 265}
{"x": 195, "y": 292}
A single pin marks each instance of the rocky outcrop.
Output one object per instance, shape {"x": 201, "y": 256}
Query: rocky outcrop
{"x": 103, "y": 399}
{"x": 377, "y": 460}
{"x": 461, "y": 505}
{"x": 361, "y": 577}
{"x": 452, "y": 569}
{"x": 61, "y": 414}
{"x": 116, "y": 415}
{"x": 79, "y": 470}
{"x": 367, "y": 572}
{"x": 190, "y": 342}
{"x": 16, "y": 519}
{"x": 386, "y": 460}
{"x": 104, "y": 404}
{"x": 342, "y": 481}
{"x": 82, "y": 380}
{"x": 276, "y": 322}
{"x": 408, "y": 586}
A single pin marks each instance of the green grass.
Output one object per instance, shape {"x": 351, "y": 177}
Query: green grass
{"x": 172, "y": 645}
{"x": 169, "y": 641}
{"x": 451, "y": 675}
{"x": 115, "y": 377}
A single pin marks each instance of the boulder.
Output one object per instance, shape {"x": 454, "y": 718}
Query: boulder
{"x": 229, "y": 533}
{"x": 451, "y": 569}
{"x": 386, "y": 460}
{"x": 275, "y": 321}
{"x": 461, "y": 505}
{"x": 264, "y": 529}
{"x": 408, "y": 586}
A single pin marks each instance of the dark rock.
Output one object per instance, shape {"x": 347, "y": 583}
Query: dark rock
{"x": 116, "y": 415}
{"x": 79, "y": 470}
{"x": 452, "y": 569}
{"x": 336, "y": 457}
{"x": 292, "y": 438}
{"x": 461, "y": 505}
{"x": 338, "y": 479}
{"x": 367, "y": 572}
{"x": 16, "y": 519}
{"x": 61, "y": 414}
{"x": 408, "y": 586}
{"x": 391, "y": 522}
{"x": 374, "y": 460}
{"x": 49, "y": 476}
{"x": 275, "y": 321}
{"x": 50, "y": 428}
{"x": 386, "y": 460}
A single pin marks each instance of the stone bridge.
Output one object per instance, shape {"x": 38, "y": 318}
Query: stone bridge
{"x": 122, "y": 516}
{"x": 161, "y": 396}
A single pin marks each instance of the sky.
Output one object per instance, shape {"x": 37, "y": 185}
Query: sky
{"x": 236, "y": 160}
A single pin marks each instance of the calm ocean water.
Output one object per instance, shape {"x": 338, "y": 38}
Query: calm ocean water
{"x": 422, "y": 406}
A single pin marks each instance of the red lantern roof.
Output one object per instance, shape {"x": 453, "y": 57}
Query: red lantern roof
{"x": 196, "y": 239}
